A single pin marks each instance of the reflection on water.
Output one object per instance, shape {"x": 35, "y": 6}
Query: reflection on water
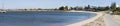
{"x": 42, "y": 18}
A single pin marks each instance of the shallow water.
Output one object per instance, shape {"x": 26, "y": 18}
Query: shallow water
{"x": 42, "y": 18}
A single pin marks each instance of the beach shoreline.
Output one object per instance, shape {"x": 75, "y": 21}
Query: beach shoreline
{"x": 99, "y": 17}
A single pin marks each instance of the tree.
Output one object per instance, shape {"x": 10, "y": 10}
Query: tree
{"x": 25, "y": 9}
{"x": 113, "y": 6}
{"x": 71, "y": 8}
{"x": 100, "y": 8}
{"x": 39, "y": 9}
{"x": 106, "y": 8}
{"x": 61, "y": 8}
{"x": 88, "y": 6}
{"x": 117, "y": 9}
{"x": 66, "y": 8}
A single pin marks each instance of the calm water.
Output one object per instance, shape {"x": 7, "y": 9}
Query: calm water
{"x": 42, "y": 18}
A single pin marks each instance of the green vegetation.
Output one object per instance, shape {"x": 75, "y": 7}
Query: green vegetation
{"x": 93, "y": 8}
{"x": 103, "y": 8}
{"x": 116, "y": 10}
{"x": 113, "y": 7}
{"x": 63, "y": 8}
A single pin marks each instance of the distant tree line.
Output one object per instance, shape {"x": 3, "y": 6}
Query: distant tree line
{"x": 63, "y": 8}
{"x": 112, "y": 8}
{"x": 86, "y": 8}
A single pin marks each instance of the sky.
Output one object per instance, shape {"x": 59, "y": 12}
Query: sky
{"x": 14, "y": 4}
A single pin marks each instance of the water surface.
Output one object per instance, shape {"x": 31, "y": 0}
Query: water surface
{"x": 42, "y": 18}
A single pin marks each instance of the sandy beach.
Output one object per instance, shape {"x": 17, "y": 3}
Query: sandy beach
{"x": 116, "y": 17}
{"x": 98, "y": 20}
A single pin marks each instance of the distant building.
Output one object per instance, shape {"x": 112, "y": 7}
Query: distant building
{"x": 90, "y": 8}
{"x": 78, "y": 8}
{"x": 113, "y": 5}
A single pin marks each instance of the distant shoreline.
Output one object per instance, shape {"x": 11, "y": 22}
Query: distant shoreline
{"x": 44, "y": 11}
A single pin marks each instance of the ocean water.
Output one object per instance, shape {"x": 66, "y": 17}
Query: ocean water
{"x": 42, "y": 18}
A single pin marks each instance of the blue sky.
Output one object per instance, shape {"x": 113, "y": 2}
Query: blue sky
{"x": 12, "y": 4}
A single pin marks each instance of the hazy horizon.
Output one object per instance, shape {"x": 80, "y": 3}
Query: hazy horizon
{"x": 12, "y": 4}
